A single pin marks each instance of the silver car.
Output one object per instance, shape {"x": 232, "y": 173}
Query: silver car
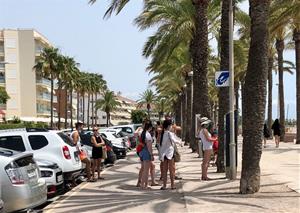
{"x": 20, "y": 180}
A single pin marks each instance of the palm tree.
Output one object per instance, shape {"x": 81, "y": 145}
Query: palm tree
{"x": 3, "y": 96}
{"x": 47, "y": 66}
{"x": 108, "y": 104}
{"x": 147, "y": 98}
{"x": 289, "y": 11}
{"x": 254, "y": 95}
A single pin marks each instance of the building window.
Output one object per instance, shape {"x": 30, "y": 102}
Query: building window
{"x": 11, "y": 73}
{"x": 11, "y": 58}
{"x": 37, "y": 141}
{"x": 10, "y": 43}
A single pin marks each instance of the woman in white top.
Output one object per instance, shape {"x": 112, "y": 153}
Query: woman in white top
{"x": 207, "y": 143}
{"x": 167, "y": 151}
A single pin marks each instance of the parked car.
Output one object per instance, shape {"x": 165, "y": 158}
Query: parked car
{"x": 53, "y": 176}
{"x": 87, "y": 144}
{"x": 21, "y": 181}
{"x": 129, "y": 129}
{"x": 118, "y": 133}
{"x": 1, "y": 201}
{"x": 54, "y": 146}
{"x": 119, "y": 146}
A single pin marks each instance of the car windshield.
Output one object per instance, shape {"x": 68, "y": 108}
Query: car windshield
{"x": 66, "y": 139}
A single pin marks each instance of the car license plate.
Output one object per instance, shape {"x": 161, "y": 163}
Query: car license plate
{"x": 31, "y": 174}
{"x": 59, "y": 178}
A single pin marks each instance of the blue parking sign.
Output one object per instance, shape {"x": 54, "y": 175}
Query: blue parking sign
{"x": 222, "y": 79}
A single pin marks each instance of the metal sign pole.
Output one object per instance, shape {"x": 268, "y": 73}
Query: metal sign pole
{"x": 231, "y": 95}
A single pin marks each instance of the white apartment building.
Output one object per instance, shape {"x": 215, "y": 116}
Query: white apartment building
{"x": 123, "y": 114}
{"x": 29, "y": 95}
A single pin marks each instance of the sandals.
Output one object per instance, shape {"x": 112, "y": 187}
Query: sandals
{"x": 163, "y": 188}
{"x": 155, "y": 184}
{"x": 173, "y": 188}
{"x": 206, "y": 178}
{"x": 91, "y": 180}
{"x": 100, "y": 178}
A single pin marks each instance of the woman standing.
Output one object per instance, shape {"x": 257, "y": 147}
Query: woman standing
{"x": 97, "y": 152}
{"x": 167, "y": 143}
{"x": 146, "y": 155}
{"x": 276, "y": 131}
{"x": 207, "y": 142}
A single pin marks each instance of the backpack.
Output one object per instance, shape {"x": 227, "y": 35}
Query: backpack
{"x": 140, "y": 146}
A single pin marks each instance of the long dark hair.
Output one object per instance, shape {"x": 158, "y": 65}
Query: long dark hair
{"x": 147, "y": 126}
{"x": 166, "y": 124}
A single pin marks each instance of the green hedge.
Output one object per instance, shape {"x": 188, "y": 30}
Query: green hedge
{"x": 23, "y": 125}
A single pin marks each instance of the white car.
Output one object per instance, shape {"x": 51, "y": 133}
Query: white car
{"x": 53, "y": 176}
{"x": 112, "y": 136}
{"x": 54, "y": 146}
{"x": 1, "y": 202}
{"x": 118, "y": 133}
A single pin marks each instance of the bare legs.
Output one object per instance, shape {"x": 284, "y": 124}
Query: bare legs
{"x": 145, "y": 174}
{"x": 205, "y": 163}
{"x": 265, "y": 142}
{"x": 87, "y": 163}
{"x": 168, "y": 165}
{"x": 277, "y": 139}
{"x": 140, "y": 175}
{"x": 96, "y": 165}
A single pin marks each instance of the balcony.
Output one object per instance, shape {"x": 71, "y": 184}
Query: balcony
{"x": 43, "y": 82}
{"x": 2, "y": 80}
{"x": 1, "y": 50}
{"x": 45, "y": 97}
{"x": 2, "y": 66}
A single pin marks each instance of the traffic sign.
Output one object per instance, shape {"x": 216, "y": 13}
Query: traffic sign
{"x": 222, "y": 79}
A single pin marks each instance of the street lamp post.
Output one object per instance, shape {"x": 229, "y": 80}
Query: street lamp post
{"x": 232, "y": 144}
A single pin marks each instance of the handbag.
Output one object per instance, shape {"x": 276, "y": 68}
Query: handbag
{"x": 82, "y": 155}
{"x": 177, "y": 157}
{"x": 104, "y": 153}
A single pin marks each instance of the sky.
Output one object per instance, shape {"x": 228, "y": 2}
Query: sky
{"x": 111, "y": 47}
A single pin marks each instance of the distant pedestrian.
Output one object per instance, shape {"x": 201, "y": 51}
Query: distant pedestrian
{"x": 267, "y": 134}
{"x": 97, "y": 152}
{"x": 214, "y": 136}
{"x": 75, "y": 136}
{"x": 146, "y": 154}
{"x": 276, "y": 127}
{"x": 167, "y": 151}
{"x": 207, "y": 142}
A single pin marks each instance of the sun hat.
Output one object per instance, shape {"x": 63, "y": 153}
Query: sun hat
{"x": 206, "y": 122}
{"x": 203, "y": 119}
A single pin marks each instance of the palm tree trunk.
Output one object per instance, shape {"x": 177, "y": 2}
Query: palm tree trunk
{"x": 296, "y": 38}
{"x": 77, "y": 111}
{"x": 237, "y": 96}
{"x": 51, "y": 104}
{"x": 83, "y": 107}
{"x": 66, "y": 109}
{"x": 189, "y": 112}
{"x": 270, "y": 90}
{"x": 178, "y": 111}
{"x": 224, "y": 91}
{"x": 71, "y": 108}
{"x": 96, "y": 110}
{"x": 199, "y": 62}
{"x": 93, "y": 119}
{"x": 107, "y": 119}
{"x": 184, "y": 115}
{"x": 280, "y": 48}
{"x": 59, "y": 106}
{"x": 254, "y": 98}
{"x": 88, "y": 111}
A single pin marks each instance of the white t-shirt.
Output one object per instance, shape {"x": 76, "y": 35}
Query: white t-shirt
{"x": 148, "y": 137}
{"x": 167, "y": 145}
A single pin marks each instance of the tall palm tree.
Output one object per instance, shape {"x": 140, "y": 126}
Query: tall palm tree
{"x": 254, "y": 97}
{"x": 47, "y": 66}
{"x": 147, "y": 98}
{"x": 108, "y": 104}
{"x": 289, "y": 15}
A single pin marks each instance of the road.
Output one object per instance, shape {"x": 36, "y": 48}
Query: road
{"x": 117, "y": 193}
